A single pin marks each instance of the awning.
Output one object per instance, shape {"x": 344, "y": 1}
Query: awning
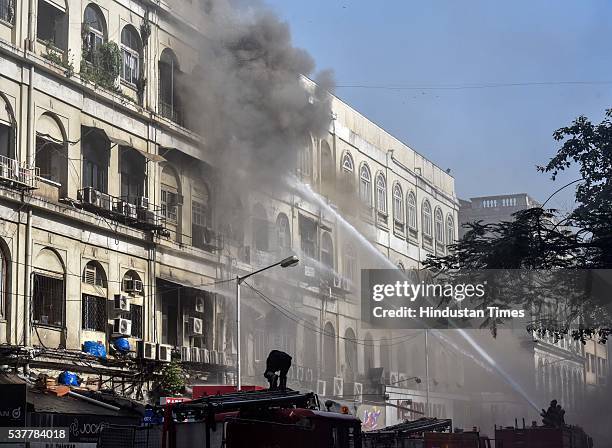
{"x": 48, "y": 128}
{"x": 220, "y": 288}
{"x": 150, "y": 156}
{"x": 117, "y": 136}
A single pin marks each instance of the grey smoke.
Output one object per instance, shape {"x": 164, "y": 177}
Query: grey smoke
{"x": 249, "y": 100}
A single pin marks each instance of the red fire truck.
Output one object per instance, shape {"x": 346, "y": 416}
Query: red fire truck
{"x": 542, "y": 437}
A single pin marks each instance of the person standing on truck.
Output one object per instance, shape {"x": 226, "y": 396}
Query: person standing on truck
{"x": 277, "y": 361}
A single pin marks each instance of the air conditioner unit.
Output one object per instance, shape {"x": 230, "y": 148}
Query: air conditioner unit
{"x": 321, "y": 386}
{"x": 146, "y": 350}
{"x": 309, "y": 375}
{"x": 199, "y": 304}
{"x": 337, "y": 282}
{"x": 186, "y": 354}
{"x": 119, "y": 207}
{"x": 174, "y": 199}
{"x": 358, "y": 392}
{"x": 393, "y": 378}
{"x": 310, "y": 271}
{"x": 91, "y": 196}
{"x": 195, "y": 355}
{"x": 164, "y": 352}
{"x": 338, "y": 387}
{"x": 196, "y": 326}
{"x": 204, "y": 356}
{"x": 133, "y": 286}
{"x": 212, "y": 357}
{"x": 300, "y": 373}
{"x": 130, "y": 211}
{"x": 121, "y": 303}
{"x": 122, "y": 326}
{"x": 142, "y": 202}
{"x": 105, "y": 201}
{"x": 346, "y": 284}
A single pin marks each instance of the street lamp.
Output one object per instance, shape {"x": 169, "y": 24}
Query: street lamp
{"x": 285, "y": 263}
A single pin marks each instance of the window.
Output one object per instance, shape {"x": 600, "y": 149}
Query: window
{"x": 308, "y": 236}
{"x": 328, "y": 172}
{"x": 94, "y": 31}
{"x": 130, "y": 49}
{"x": 52, "y": 23}
{"x": 260, "y": 228}
{"x": 450, "y": 230}
{"x": 439, "y": 226}
{"x": 327, "y": 250}
{"x": 170, "y": 198}
{"x": 398, "y": 204}
{"x": 365, "y": 185}
{"x": 96, "y": 158}
{"x": 284, "y": 231}
{"x": 201, "y": 235}
{"x": 426, "y": 218}
{"x": 7, "y": 130}
{"x": 381, "y": 193}
{"x": 93, "y": 312}
{"x": 306, "y": 159}
{"x": 48, "y": 300}
{"x": 94, "y": 274}
{"x": 7, "y": 11}
{"x": 133, "y": 175}
{"x": 136, "y": 317}
{"x": 411, "y": 210}
{"x": 4, "y": 279}
{"x": 350, "y": 263}
{"x": 169, "y": 104}
{"x": 347, "y": 163}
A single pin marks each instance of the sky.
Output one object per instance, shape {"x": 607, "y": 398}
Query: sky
{"x": 490, "y": 138}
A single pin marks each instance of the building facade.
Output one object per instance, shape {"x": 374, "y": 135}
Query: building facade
{"x": 108, "y": 223}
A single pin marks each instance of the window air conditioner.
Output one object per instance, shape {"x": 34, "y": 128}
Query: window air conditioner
{"x": 338, "y": 387}
{"x": 196, "y": 326}
{"x": 185, "y": 354}
{"x": 142, "y": 202}
{"x": 195, "y": 355}
{"x": 146, "y": 350}
{"x": 122, "y": 326}
{"x": 213, "y": 356}
{"x": 164, "y": 352}
{"x": 204, "y": 356}
{"x": 121, "y": 303}
{"x": 321, "y": 386}
{"x": 133, "y": 286}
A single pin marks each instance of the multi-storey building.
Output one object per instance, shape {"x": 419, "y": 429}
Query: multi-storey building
{"x": 108, "y": 223}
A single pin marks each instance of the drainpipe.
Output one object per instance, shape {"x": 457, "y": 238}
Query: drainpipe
{"x": 30, "y": 157}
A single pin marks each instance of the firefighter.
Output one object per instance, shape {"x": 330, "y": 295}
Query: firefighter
{"x": 277, "y": 361}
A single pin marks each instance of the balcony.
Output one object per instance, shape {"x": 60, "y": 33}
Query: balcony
{"x": 140, "y": 214}
{"x": 16, "y": 175}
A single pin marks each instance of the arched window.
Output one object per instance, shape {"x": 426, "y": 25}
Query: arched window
{"x": 94, "y": 274}
{"x": 327, "y": 165}
{"x": 350, "y": 263}
{"x": 381, "y": 193}
{"x": 284, "y": 231}
{"x": 329, "y": 350}
{"x": 132, "y": 283}
{"x": 450, "y": 230}
{"x": 132, "y": 166}
{"x": 4, "y": 280}
{"x": 260, "y": 227}
{"x": 398, "y": 204}
{"x": 426, "y": 218}
{"x": 327, "y": 250}
{"x": 306, "y": 159}
{"x": 96, "y": 159}
{"x": 347, "y": 163}
{"x": 411, "y": 210}
{"x": 365, "y": 185}
{"x": 350, "y": 356}
{"x": 169, "y": 71}
{"x": 94, "y": 30}
{"x": 51, "y": 150}
{"x": 439, "y": 225}
{"x": 7, "y": 130}
{"x": 131, "y": 49}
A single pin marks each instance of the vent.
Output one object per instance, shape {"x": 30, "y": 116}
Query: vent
{"x": 90, "y": 275}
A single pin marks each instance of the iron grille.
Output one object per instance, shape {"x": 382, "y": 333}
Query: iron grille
{"x": 94, "y": 313}
{"x": 48, "y": 300}
{"x": 136, "y": 318}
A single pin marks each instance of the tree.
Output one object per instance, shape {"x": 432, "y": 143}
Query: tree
{"x": 541, "y": 239}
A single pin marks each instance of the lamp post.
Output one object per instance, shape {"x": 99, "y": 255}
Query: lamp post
{"x": 285, "y": 263}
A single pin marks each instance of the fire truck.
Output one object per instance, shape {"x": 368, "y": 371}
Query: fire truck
{"x": 254, "y": 419}
{"x": 542, "y": 436}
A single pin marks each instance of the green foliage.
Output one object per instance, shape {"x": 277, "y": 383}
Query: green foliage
{"x": 546, "y": 240}
{"x": 59, "y": 58}
{"x": 173, "y": 379}
{"x": 102, "y": 66}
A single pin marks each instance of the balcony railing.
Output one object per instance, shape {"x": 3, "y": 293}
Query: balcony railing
{"x": 171, "y": 112}
{"x": 140, "y": 214}
{"x": 19, "y": 176}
